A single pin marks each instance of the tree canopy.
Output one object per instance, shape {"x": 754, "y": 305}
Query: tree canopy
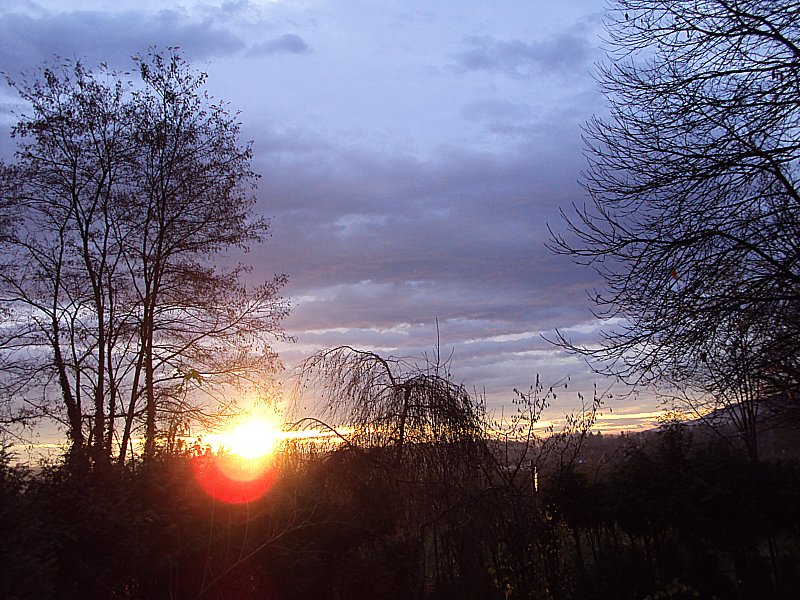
{"x": 695, "y": 195}
{"x": 116, "y": 320}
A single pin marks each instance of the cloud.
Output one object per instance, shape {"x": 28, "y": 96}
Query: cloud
{"x": 490, "y": 354}
{"x": 459, "y": 234}
{"x": 502, "y": 117}
{"x": 380, "y": 244}
{"x": 107, "y": 37}
{"x": 561, "y": 53}
{"x": 398, "y": 193}
{"x": 288, "y": 43}
{"x": 376, "y": 238}
{"x": 497, "y": 109}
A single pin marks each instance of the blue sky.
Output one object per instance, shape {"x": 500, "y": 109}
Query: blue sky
{"x": 412, "y": 154}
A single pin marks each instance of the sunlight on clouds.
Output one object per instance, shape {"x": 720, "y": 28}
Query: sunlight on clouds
{"x": 351, "y": 223}
{"x": 338, "y": 330}
{"x": 555, "y": 356}
{"x": 614, "y": 422}
{"x": 508, "y": 337}
{"x": 400, "y": 328}
{"x": 589, "y": 327}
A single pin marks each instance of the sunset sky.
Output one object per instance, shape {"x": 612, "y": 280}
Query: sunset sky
{"x": 412, "y": 154}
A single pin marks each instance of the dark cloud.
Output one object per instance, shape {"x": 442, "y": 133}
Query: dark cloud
{"x": 561, "y": 53}
{"x": 379, "y": 245}
{"x": 372, "y": 241}
{"x": 288, "y": 43}
{"x": 107, "y": 37}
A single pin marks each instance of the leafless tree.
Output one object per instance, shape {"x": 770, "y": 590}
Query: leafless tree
{"x": 123, "y": 192}
{"x": 729, "y": 386}
{"x": 694, "y": 220}
{"x": 393, "y": 403}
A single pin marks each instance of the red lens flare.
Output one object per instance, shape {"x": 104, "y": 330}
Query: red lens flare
{"x": 233, "y": 479}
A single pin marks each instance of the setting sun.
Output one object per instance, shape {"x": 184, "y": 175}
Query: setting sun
{"x": 253, "y": 438}
{"x": 240, "y": 467}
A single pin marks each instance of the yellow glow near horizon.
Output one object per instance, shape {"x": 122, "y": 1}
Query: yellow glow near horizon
{"x": 242, "y": 468}
{"x": 252, "y": 437}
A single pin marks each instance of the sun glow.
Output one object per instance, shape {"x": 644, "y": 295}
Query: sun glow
{"x": 252, "y": 438}
{"x": 240, "y": 467}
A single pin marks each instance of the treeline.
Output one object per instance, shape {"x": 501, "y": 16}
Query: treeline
{"x": 662, "y": 516}
{"x": 669, "y": 517}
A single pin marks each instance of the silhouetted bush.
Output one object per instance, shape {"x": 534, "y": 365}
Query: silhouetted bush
{"x": 662, "y": 517}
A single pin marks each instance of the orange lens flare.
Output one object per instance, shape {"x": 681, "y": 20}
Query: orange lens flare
{"x": 238, "y": 465}
{"x": 234, "y": 479}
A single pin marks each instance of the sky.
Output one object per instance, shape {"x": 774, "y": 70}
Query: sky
{"x": 412, "y": 155}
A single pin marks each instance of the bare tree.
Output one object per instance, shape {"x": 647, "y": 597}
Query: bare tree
{"x": 729, "y": 386}
{"x": 193, "y": 198}
{"x": 393, "y": 403}
{"x": 123, "y": 193}
{"x": 694, "y": 224}
{"x": 62, "y": 252}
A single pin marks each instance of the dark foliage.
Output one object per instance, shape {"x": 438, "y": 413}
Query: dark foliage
{"x": 662, "y": 516}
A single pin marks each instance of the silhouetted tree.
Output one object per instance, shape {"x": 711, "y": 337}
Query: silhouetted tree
{"x": 425, "y": 438}
{"x": 121, "y": 194}
{"x": 693, "y": 225}
{"x": 729, "y": 386}
{"x": 391, "y": 403}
